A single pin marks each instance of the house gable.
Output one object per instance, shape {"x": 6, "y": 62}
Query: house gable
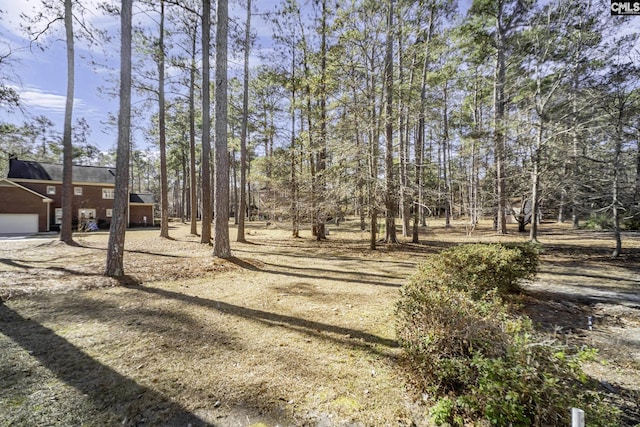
{"x": 10, "y": 184}
{"x": 17, "y": 199}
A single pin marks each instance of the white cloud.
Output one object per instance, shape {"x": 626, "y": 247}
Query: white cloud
{"x": 51, "y": 102}
{"x": 12, "y": 10}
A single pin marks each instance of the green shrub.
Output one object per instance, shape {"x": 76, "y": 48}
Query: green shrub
{"x": 631, "y": 221}
{"x": 480, "y": 268}
{"x": 598, "y": 222}
{"x": 603, "y": 221}
{"x": 477, "y": 361}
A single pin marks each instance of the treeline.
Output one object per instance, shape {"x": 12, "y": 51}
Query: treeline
{"x": 400, "y": 109}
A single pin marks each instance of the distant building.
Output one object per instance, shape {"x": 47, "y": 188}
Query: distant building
{"x": 31, "y": 198}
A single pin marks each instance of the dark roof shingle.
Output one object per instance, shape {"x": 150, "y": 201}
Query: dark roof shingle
{"x": 141, "y": 198}
{"x": 25, "y": 169}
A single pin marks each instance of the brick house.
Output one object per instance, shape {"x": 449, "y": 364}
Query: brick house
{"x": 32, "y": 193}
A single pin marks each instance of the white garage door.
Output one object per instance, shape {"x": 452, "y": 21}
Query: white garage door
{"x": 18, "y": 223}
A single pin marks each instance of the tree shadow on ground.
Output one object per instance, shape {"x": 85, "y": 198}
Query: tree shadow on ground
{"x": 16, "y": 263}
{"x": 114, "y": 396}
{"x": 339, "y": 334}
{"x": 293, "y": 271}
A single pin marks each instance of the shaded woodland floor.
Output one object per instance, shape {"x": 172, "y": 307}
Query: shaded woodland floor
{"x": 288, "y": 332}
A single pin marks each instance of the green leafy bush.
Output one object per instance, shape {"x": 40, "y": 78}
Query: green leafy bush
{"x": 477, "y": 361}
{"x": 598, "y": 222}
{"x": 478, "y": 268}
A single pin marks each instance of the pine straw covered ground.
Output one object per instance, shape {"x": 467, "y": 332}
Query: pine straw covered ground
{"x": 289, "y": 332}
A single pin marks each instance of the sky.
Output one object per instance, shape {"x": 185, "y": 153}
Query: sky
{"x": 40, "y": 75}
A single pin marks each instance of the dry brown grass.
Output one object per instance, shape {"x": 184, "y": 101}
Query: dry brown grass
{"x": 289, "y": 332}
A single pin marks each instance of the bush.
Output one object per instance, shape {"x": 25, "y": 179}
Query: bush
{"x": 478, "y": 268}
{"x": 598, "y": 222}
{"x": 477, "y": 361}
{"x": 631, "y": 221}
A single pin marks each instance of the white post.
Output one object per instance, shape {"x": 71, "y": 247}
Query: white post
{"x": 577, "y": 417}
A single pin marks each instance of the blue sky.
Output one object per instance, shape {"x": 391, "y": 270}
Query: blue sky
{"x": 40, "y": 76}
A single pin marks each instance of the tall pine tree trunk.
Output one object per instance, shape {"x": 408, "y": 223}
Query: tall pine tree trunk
{"x": 295, "y": 196}
{"x": 498, "y": 133}
{"x": 164, "y": 190}
{"x": 321, "y": 164}
{"x": 66, "y": 234}
{"x": 243, "y": 132}
{"x": 615, "y": 190}
{"x": 221, "y": 244}
{"x": 390, "y": 184}
{"x": 445, "y": 158}
{"x": 205, "y": 237}
{"x": 115, "y": 250}
{"x": 193, "y": 186}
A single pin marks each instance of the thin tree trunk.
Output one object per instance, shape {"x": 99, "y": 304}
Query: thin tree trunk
{"x": 535, "y": 183}
{"x": 243, "y": 131}
{"x": 206, "y": 124}
{"x": 295, "y": 209}
{"x": 192, "y": 136}
{"x": 615, "y": 201}
{"x": 419, "y": 144}
{"x": 499, "y": 129}
{"x": 185, "y": 186}
{"x": 575, "y": 167}
{"x": 321, "y": 164}
{"x": 445, "y": 162}
{"x": 164, "y": 190}
{"x": 390, "y": 184}
{"x": 236, "y": 201}
{"x": 115, "y": 250}
{"x": 66, "y": 233}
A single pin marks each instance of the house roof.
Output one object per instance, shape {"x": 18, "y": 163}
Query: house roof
{"x": 6, "y": 183}
{"x": 145, "y": 198}
{"x": 25, "y": 169}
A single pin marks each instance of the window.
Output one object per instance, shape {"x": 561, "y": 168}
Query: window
{"x": 109, "y": 213}
{"x": 86, "y": 214}
{"x": 108, "y": 193}
{"x": 51, "y": 189}
{"x": 58, "y": 216}
{"x": 77, "y": 191}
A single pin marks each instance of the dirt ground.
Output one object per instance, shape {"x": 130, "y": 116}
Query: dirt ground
{"x": 289, "y": 332}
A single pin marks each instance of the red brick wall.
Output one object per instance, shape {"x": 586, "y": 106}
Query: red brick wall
{"x": 16, "y": 200}
{"x": 91, "y": 198}
{"x": 137, "y": 214}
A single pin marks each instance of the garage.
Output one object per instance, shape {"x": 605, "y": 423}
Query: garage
{"x": 22, "y": 211}
{"x": 18, "y": 223}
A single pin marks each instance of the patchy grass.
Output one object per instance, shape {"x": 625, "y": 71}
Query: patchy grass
{"x": 289, "y": 332}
